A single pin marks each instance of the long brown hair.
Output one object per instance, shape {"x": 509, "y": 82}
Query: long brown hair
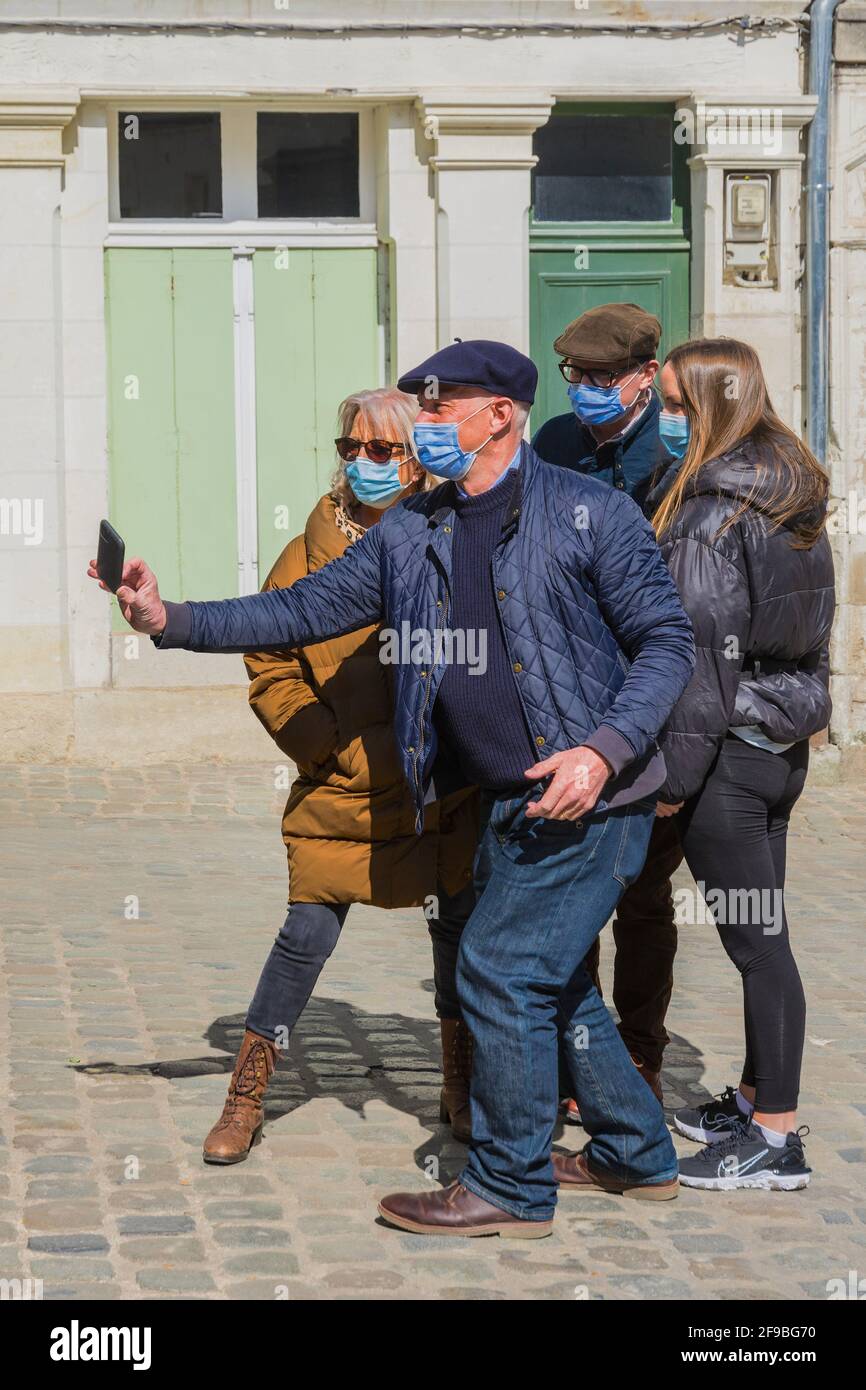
{"x": 726, "y": 401}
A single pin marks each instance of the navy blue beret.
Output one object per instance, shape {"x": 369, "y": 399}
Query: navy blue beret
{"x": 490, "y": 366}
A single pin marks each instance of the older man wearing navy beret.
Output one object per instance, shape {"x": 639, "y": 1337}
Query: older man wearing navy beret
{"x": 587, "y": 651}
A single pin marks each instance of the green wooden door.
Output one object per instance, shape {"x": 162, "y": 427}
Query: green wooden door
{"x": 317, "y": 341}
{"x": 627, "y": 165}
{"x": 171, "y": 434}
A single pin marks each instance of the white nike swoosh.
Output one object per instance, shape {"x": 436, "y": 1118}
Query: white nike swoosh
{"x": 741, "y": 1167}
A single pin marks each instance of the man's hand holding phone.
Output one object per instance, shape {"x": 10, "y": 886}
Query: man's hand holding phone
{"x": 138, "y": 596}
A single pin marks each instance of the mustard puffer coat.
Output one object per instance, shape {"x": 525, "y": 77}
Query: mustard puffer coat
{"x": 349, "y": 822}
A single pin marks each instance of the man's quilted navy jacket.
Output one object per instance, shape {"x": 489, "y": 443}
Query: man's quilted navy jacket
{"x": 600, "y": 644}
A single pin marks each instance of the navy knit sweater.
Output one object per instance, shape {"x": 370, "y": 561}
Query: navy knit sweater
{"x": 478, "y": 712}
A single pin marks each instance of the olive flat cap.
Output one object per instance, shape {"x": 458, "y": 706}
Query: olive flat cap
{"x": 611, "y": 335}
{"x": 489, "y": 366}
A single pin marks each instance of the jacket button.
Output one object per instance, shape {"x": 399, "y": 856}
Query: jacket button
{"x": 620, "y": 484}
{"x": 423, "y": 675}
{"x": 447, "y": 530}
{"x": 539, "y": 740}
{"x": 438, "y": 603}
{"x": 500, "y": 593}
{"x": 411, "y": 748}
{"x": 517, "y": 666}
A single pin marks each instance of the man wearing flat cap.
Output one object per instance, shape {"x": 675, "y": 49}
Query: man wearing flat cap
{"x": 609, "y": 361}
{"x": 588, "y": 649}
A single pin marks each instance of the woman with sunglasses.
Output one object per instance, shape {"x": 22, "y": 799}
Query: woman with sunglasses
{"x": 742, "y": 523}
{"x": 349, "y": 823}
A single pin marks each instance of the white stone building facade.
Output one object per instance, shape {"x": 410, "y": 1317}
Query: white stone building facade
{"x": 449, "y": 100}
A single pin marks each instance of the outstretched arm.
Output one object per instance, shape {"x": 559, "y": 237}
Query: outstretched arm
{"x": 344, "y": 595}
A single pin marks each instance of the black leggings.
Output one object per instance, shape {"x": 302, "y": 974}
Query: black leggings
{"x": 734, "y": 834}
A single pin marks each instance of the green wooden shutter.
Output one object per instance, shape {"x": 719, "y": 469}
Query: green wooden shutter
{"x": 317, "y": 341}
{"x": 171, "y": 415}
{"x": 171, "y": 398}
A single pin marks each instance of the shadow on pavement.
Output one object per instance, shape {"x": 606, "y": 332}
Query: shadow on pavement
{"x": 341, "y": 1052}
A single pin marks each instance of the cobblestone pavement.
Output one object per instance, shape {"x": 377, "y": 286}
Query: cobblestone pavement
{"x": 119, "y": 1033}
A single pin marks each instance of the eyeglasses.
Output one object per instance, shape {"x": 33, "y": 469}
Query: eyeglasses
{"x": 377, "y": 450}
{"x": 575, "y": 376}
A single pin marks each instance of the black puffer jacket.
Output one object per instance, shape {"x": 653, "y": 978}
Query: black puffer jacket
{"x": 761, "y": 611}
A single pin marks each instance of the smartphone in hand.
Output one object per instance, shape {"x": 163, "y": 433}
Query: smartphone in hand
{"x": 109, "y": 556}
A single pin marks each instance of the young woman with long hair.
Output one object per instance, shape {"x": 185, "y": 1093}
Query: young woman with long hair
{"x": 741, "y": 520}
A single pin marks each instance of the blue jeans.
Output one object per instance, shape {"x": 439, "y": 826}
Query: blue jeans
{"x": 545, "y": 890}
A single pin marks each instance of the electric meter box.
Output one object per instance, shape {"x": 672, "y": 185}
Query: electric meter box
{"x": 747, "y": 227}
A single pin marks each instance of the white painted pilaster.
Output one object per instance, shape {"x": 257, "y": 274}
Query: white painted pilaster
{"x": 481, "y": 158}
{"x": 406, "y": 222}
{"x": 33, "y": 532}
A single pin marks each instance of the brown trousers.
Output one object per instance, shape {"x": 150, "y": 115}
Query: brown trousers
{"x": 645, "y": 935}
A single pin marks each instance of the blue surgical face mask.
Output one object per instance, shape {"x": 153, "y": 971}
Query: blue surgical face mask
{"x": 437, "y": 447}
{"x": 374, "y": 484}
{"x": 674, "y": 433}
{"x": 599, "y": 405}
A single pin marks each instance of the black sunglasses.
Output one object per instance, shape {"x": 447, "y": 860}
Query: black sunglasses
{"x": 377, "y": 450}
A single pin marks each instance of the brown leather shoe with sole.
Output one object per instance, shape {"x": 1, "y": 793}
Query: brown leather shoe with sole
{"x": 455, "y": 1211}
{"x": 574, "y": 1174}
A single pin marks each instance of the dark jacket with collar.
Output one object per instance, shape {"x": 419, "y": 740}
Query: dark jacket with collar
{"x": 762, "y": 611}
{"x": 596, "y": 634}
{"x": 628, "y": 464}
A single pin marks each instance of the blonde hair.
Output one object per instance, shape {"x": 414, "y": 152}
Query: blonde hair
{"x": 726, "y": 402}
{"x": 391, "y": 414}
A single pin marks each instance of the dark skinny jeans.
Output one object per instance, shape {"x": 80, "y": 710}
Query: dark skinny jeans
{"x": 734, "y": 836}
{"x": 306, "y": 940}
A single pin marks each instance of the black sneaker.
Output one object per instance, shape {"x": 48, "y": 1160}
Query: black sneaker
{"x": 745, "y": 1159}
{"x": 711, "y": 1121}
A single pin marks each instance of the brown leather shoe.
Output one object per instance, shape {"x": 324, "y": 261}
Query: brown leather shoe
{"x": 455, "y": 1211}
{"x": 457, "y": 1050}
{"x": 239, "y": 1127}
{"x": 573, "y": 1172}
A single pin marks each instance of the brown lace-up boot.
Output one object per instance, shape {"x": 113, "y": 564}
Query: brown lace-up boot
{"x": 457, "y": 1048}
{"x": 240, "y": 1124}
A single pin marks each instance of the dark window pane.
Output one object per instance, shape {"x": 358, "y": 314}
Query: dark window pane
{"x": 603, "y": 169}
{"x": 308, "y": 164}
{"x": 169, "y": 164}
